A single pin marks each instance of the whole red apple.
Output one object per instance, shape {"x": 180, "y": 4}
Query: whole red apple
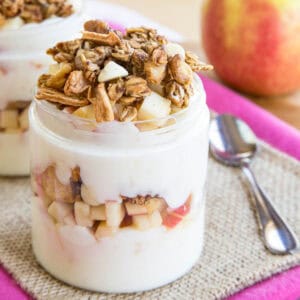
{"x": 254, "y": 45}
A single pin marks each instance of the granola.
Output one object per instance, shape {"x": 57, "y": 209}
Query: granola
{"x": 33, "y": 11}
{"x": 113, "y": 74}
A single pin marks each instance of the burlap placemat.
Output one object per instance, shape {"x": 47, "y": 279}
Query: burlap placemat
{"x": 233, "y": 257}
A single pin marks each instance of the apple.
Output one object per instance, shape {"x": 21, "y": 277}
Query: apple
{"x": 254, "y": 45}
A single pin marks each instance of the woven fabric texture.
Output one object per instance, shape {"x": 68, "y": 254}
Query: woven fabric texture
{"x": 233, "y": 256}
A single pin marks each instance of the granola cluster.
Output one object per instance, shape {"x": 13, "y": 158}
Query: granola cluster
{"x": 107, "y": 75}
{"x": 76, "y": 204}
{"x": 33, "y": 10}
{"x": 14, "y": 118}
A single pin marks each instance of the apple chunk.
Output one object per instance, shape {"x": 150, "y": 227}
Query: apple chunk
{"x": 103, "y": 230}
{"x": 115, "y": 213}
{"x": 86, "y": 112}
{"x": 98, "y": 213}
{"x": 135, "y": 209}
{"x": 154, "y": 106}
{"x": 82, "y": 214}
{"x": 112, "y": 71}
{"x": 59, "y": 210}
{"x": 144, "y": 222}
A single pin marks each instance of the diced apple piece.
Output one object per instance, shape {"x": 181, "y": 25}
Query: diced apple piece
{"x": 23, "y": 119}
{"x": 135, "y": 209}
{"x": 98, "y": 213}
{"x": 112, "y": 71}
{"x": 86, "y": 112}
{"x": 183, "y": 210}
{"x": 172, "y": 49}
{"x": 141, "y": 222}
{"x": 77, "y": 235}
{"x": 53, "y": 188}
{"x": 13, "y": 23}
{"x": 88, "y": 196}
{"x": 155, "y": 204}
{"x": 154, "y": 106}
{"x": 171, "y": 221}
{"x": 82, "y": 214}
{"x": 69, "y": 220}
{"x": 59, "y": 210}
{"x": 9, "y": 119}
{"x": 115, "y": 213}
{"x": 105, "y": 231}
{"x": 155, "y": 219}
{"x": 54, "y": 68}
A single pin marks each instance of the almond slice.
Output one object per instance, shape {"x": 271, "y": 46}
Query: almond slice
{"x": 57, "y": 97}
{"x": 103, "y": 108}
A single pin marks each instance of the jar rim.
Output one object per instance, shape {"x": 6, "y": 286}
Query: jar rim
{"x": 84, "y": 125}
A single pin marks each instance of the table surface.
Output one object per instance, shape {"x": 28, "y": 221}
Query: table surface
{"x": 169, "y": 12}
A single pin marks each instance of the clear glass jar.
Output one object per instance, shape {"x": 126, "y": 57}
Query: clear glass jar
{"x": 117, "y": 209}
{"x": 22, "y": 60}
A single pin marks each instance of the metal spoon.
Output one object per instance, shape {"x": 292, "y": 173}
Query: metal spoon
{"x": 233, "y": 143}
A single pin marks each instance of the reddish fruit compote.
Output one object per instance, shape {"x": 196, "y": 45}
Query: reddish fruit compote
{"x": 119, "y": 151}
{"x": 26, "y": 29}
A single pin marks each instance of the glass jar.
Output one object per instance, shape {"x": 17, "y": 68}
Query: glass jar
{"x": 22, "y": 60}
{"x": 117, "y": 209}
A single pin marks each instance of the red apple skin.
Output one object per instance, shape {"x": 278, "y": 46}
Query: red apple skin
{"x": 254, "y": 45}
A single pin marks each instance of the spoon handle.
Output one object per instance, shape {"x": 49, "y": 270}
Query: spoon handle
{"x": 277, "y": 235}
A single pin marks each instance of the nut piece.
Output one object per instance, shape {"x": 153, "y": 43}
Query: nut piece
{"x": 112, "y": 71}
{"x": 109, "y": 39}
{"x": 103, "y": 108}
{"x": 96, "y": 26}
{"x": 82, "y": 214}
{"x": 75, "y": 84}
{"x": 52, "y": 95}
{"x": 136, "y": 87}
{"x": 180, "y": 71}
{"x": 115, "y": 212}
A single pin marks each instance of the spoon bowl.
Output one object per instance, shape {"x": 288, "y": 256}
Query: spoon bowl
{"x": 233, "y": 143}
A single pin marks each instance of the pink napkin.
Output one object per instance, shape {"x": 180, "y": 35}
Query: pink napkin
{"x": 270, "y": 129}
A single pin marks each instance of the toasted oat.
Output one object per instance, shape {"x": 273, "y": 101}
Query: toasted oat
{"x": 136, "y": 87}
{"x": 110, "y": 39}
{"x": 103, "y": 108}
{"x": 193, "y": 61}
{"x": 116, "y": 90}
{"x": 128, "y": 114}
{"x": 159, "y": 56}
{"x": 75, "y": 84}
{"x": 128, "y": 100}
{"x": 52, "y": 95}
